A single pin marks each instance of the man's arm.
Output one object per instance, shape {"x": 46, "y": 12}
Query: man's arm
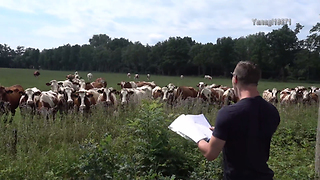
{"x": 211, "y": 149}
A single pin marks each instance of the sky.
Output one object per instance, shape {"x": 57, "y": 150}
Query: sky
{"x": 47, "y": 24}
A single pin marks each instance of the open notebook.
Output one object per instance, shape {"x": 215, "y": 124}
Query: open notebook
{"x": 193, "y": 127}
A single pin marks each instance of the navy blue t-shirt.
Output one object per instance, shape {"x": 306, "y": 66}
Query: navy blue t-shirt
{"x": 247, "y": 128}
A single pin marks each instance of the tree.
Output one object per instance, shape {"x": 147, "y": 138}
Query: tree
{"x": 282, "y": 43}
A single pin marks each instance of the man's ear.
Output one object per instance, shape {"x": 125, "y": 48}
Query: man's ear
{"x": 235, "y": 79}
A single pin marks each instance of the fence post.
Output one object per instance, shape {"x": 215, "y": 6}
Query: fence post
{"x": 317, "y": 153}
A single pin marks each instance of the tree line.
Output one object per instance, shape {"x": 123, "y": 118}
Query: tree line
{"x": 280, "y": 55}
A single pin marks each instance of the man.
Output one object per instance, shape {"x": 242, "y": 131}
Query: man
{"x": 243, "y": 130}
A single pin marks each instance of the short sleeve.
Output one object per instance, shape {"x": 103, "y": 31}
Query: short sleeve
{"x": 221, "y": 126}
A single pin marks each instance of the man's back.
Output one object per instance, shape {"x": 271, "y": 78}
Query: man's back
{"x": 247, "y": 128}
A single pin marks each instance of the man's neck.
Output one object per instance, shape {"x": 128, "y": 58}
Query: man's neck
{"x": 248, "y": 92}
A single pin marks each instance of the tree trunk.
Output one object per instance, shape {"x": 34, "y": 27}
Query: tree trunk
{"x": 317, "y": 157}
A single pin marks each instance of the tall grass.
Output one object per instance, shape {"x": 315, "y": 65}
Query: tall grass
{"x": 136, "y": 144}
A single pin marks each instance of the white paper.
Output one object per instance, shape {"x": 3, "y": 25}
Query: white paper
{"x": 194, "y": 127}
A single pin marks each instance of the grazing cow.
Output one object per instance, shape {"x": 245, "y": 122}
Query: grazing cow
{"x": 157, "y": 92}
{"x": 28, "y": 101}
{"x": 271, "y": 95}
{"x": 207, "y": 77}
{"x": 9, "y": 100}
{"x": 148, "y": 76}
{"x": 108, "y": 97}
{"x": 36, "y": 74}
{"x": 129, "y": 75}
{"x": 136, "y": 76}
{"x": 89, "y": 76}
{"x": 130, "y": 84}
{"x": 181, "y": 76}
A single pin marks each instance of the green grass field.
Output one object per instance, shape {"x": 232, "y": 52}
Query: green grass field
{"x": 25, "y": 78}
{"x": 136, "y": 143}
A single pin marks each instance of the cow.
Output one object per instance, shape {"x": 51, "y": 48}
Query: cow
{"x": 36, "y": 73}
{"x": 89, "y": 76}
{"x": 143, "y": 83}
{"x": 65, "y": 101}
{"x": 207, "y": 77}
{"x": 313, "y": 89}
{"x": 48, "y": 104}
{"x": 99, "y": 83}
{"x": 185, "y": 92}
{"x": 29, "y": 100}
{"x": 54, "y": 85}
{"x": 129, "y": 75}
{"x": 157, "y": 92}
{"x": 124, "y": 84}
{"x": 201, "y": 85}
{"x": 108, "y": 97}
{"x": 9, "y": 100}
{"x": 83, "y": 100}
{"x": 271, "y": 95}
{"x": 136, "y": 76}
{"x": 212, "y": 95}
{"x": 169, "y": 92}
{"x": 181, "y": 76}
{"x": 134, "y": 95}
{"x": 229, "y": 97}
{"x": 148, "y": 76}
{"x": 70, "y": 77}
{"x": 288, "y": 96}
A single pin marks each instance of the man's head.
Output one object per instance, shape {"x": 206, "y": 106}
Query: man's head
{"x": 246, "y": 73}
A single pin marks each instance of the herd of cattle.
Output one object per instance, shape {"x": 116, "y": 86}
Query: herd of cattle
{"x": 76, "y": 95}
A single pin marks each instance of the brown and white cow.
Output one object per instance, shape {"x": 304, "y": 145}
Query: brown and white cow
{"x": 185, "y": 92}
{"x": 83, "y": 100}
{"x": 36, "y": 73}
{"x": 108, "y": 97}
{"x": 288, "y": 96}
{"x": 48, "y": 104}
{"x": 129, "y": 75}
{"x": 29, "y": 100}
{"x": 9, "y": 100}
{"x": 229, "y": 96}
{"x": 99, "y": 83}
{"x": 143, "y": 83}
{"x": 148, "y": 76}
{"x": 169, "y": 93}
{"x": 207, "y": 77}
{"x": 271, "y": 95}
{"x": 134, "y": 95}
{"x": 136, "y": 76}
{"x": 130, "y": 84}
{"x": 157, "y": 92}
{"x": 65, "y": 101}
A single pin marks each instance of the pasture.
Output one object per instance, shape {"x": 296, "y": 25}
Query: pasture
{"x": 136, "y": 143}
